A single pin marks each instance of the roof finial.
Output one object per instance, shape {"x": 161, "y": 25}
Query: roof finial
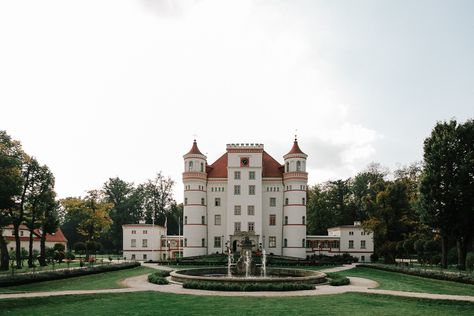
{"x": 194, "y": 136}
{"x": 296, "y": 135}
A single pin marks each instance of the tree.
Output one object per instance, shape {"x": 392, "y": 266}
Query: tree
{"x": 446, "y": 201}
{"x": 11, "y": 156}
{"x": 49, "y": 223}
{"x": 127, "y": 207}
{"x": 93, "y": 215}
{"x": 41, "y": 196}
{"x": 158, "y": 198}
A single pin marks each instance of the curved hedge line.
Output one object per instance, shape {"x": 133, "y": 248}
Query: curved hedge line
{"x": 445, "y": 276}
{"x": 247, "y": 287}
{"x": 26, "y": 278}
{"x": 158, "y": 277}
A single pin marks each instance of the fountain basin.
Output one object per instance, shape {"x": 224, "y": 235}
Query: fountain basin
{"x": 274, "y": 275}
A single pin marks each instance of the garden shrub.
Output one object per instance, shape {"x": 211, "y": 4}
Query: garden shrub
{"x": 470, "y": 261}
{"x": 337, "y": 280}
{"x": 158, "y": 278}
{"x": 247, "y": 287}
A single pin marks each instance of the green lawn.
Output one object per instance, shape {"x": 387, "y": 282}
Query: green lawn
{"x": 154, "y": 303}
{"x": 107, "y": 280}
{"x": 403, "y": 282}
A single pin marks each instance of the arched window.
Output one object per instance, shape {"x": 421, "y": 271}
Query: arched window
{"x": 287, "y": 167}
{"x": 190, "y": 166}
{"x": 298, "y": 165}
{"x": 303, "y": 220}
{"x": 303, "y": 243}
{"x": 185, "y": 220}
{"x": 285, "y": 242}
{"x": 203, "y": 220}
{"x": 203, "y": 242}
{"x": 286, "y": 220}
{"x": 185, "y": 242}
{"x": 202, "y": 167}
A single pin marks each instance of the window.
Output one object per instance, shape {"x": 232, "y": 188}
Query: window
{"x": 203, "y": 242}
{"x": 133, "y": 257}
{"x": 185, "y": 220}
{"x": 134, "y": 232}
{"x": 351, "y": 233}
{"x": 217, "y": 219}
{"x": 237, "y": 226}
{"x": 251, "y": 190}
{"x": 203, "y": 220}
{"x": 303, "y": 243}
{"x": 203, "y": 201}
{"x": 190, "y": 166}
{"x": 303, "y": 220}
{"x": 286, "y": 220}
{"x": 298, "y": 165}
{"x": 351, "y": 244}
{"x": 202, "y": 167}
{"x": 362, "y": 244}
{"x": 285, "y": 243}
{"x": 252, "y": 175}
{"x": 185, "y": 201}
{"x": 21, "y": 233}
{"x": 251, "y": 226}
{"x": 303, "y": 201}
{"x": 145, "y": 243}
{"x": 185, "y": 242}
{"x": 145, "y": 232}
{"x": 237, "y": 209}
{"x": 272, "y": 219}
{"x": 287, "y": 167}
{"x": 272, "y": 242}
{"x": 362, "y": 258}
{"x": 133, "y": 243}
{"x": 250, "y": 210}
{"x": 217, "y": 241}
{"x": 217, "y": 202}
{"x": 286, "y": 201}
{"x": 144, "y": 256}
{"x": 273, "y": 201}
{"x": 236, "y": 189}
{"x": 237, "y": 175}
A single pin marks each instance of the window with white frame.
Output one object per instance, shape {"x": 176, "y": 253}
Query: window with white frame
{"x": 272, "y": 242}
{"x": 217, "y": 219}
{"x": 362, "y": 244}
{"x": 250, "y": 210}
{"x": 273, "y": 202}
{"x": 351, "y": 244}
{"x": 237, "y": 175}
{"x": 252, "y": 175}
{"x": 133, "y": 243}
{"x": 237, "y": 209}
{"x": 272, "y": 219}
{"x": 217, "y": 241}
{"x": 236, "y": 189}
{"x": 144, "y": 243}
{"x": 217, "y": 202}
{"x": 237, "y": 226}
{"x": 251, "y": 226}
{"x": 251, "y": 190}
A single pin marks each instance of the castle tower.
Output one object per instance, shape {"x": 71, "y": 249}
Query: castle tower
{"x": 195, "y": 203}
{"x": 295, "y": 180}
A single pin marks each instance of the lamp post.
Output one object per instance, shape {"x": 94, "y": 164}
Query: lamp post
{"x": 222, "y": 244}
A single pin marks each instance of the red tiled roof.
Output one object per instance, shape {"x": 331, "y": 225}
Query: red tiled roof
{"x": 194, "y": 150}
{"x": 295, "y": 149}
{"x": 271, "y": 167}
{"x": 219, "y": 168}
{"x": 56, "y": 237}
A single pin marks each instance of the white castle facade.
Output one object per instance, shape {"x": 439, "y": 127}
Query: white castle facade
{"x": 246, "y": 192}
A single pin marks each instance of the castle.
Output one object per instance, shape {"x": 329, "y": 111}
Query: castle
{"x": 245, "y": 192}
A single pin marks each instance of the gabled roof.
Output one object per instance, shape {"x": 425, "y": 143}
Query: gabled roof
{"x": 219, "y": 168}
{"x": 58, "y": 236}
{"x": 271, "y": 168}
{"x": 194, "y": 150}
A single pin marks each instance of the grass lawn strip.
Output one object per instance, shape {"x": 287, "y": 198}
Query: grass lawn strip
{"x": 152, "y": 303}
{"x": 106, "y": 280}
{"x": 408, "y": 283}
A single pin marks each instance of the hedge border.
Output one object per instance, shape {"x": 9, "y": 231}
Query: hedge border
{"x": 27, "y": 278}
{"x": 459, "y": 278}
{"x": 247, "y": 287}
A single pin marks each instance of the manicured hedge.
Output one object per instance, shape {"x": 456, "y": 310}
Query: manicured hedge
{"x": 337, "y": 280}
{"x": 158, "y": 277}
{"x": 26, "y": 278}
{"x": 439, "y": 275}
{"x": 247, "y": 287}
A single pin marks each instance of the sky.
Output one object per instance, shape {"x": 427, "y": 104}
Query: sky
{"x": 102, "y": 89}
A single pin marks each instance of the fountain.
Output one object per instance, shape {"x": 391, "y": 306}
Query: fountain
{"x": 246, "y": 270}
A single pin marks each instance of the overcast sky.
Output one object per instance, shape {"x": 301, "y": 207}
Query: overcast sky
{"x": 99, "y": 89}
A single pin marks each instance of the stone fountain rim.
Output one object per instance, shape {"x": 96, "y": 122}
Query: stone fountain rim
{"x": 314, "y": 277}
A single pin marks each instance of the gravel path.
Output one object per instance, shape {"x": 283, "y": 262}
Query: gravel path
{"x": 140, "y": 284}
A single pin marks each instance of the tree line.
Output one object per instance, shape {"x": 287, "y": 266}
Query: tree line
{"x": 425, "y": 209}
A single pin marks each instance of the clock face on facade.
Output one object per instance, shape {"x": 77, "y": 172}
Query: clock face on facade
{"x": 244, "y": 162}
